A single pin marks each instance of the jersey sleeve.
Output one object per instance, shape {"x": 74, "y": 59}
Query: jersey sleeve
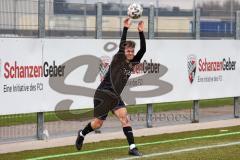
{"x": 137, "y": 58}
{"x": 123, "y": 39}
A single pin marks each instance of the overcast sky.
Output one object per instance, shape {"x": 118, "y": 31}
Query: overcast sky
{"x": 183, "y": 4}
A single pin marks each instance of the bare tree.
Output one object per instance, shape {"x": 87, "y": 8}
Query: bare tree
{"x": 212, "y": 5}
{"x": 227, "y": 5}
{"x": 216, "y": 5}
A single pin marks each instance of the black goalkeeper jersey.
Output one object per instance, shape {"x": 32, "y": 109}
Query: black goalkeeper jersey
{"x": 119, "y": 69}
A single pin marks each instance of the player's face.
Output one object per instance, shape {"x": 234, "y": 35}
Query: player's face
{"x": 129, "y": 53}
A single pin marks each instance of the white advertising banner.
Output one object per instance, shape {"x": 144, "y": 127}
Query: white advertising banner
{"x": 50, "y": 74}
{"x": 20, "y": 75}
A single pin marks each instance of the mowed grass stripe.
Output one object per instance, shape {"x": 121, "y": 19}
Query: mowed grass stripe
{"x": 182, "y": 150}
{"x": 141, "y": 144}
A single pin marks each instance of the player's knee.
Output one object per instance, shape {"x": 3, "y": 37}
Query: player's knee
{"x": 97, "y": 124}
{"x": 124, "y": 120}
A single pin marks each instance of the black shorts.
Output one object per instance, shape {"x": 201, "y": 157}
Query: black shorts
{"x": 105, "y": 101}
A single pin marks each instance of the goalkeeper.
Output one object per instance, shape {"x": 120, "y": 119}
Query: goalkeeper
{"x": 107, "y": 96}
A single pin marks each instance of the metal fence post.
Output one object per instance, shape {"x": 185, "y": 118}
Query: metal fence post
{"x": 15, "y": 16}
{"x": 120, "y": 16}
{"x": 40, "y": 125}
{"x": 41, "y": 34}
{"x": 41, "y": 18}
{"x": 195, "y": 108}
{"x": 149, "y": 115}
{"x": 98, "y": 31}
{"x": 197, "y": 25}
{"x": 150, "y": 36}
{"x": 99, "y": 21}
{"x": 236, "y": 107}
{"x": 194, "y": 19}
{"x": 195, "y": 112}
{"x": 238, "y": 25}
{"x": 151, "y": 23}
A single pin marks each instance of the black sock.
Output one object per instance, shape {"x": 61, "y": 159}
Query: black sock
{"x": 87, "y": 129}
{"x": 129, "y": 134}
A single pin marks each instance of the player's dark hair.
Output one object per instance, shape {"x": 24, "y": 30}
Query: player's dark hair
{"x": 129, "y": 44}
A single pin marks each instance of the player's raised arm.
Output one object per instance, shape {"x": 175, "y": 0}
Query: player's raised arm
{"x": 127, "y": 24}
{"x": 142, "y": 50}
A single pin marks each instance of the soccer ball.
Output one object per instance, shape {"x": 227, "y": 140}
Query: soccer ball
{"x": 135, "y": 10}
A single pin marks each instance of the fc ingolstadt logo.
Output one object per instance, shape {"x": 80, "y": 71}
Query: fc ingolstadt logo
{"x": 192, "y": 65}
{"x": 104, "y": 66}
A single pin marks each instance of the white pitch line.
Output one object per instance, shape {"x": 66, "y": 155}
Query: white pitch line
{"x": 182, "y": 150}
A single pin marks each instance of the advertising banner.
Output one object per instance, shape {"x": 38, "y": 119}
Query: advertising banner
{"x": 50, "y": 74}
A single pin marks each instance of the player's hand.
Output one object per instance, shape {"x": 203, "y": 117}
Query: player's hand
{"x": 127, "y": 22}
{"x": 141, "y": 26}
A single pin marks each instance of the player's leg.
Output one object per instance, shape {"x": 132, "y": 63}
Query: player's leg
{"x": 121, "y": 113}
{"x": 91, "y": 126}
{"x": 95, "y": 124}
{"x": 102, "y": 103}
